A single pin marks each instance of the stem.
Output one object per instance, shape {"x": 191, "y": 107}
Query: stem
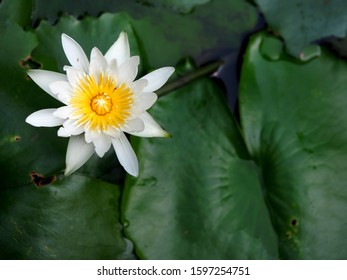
{"x": 202, "y": 71}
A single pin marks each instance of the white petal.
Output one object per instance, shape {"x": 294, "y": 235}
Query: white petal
{"x": 43, "y": 78}
{"x": 112, "y": 69}
{"x": 102, "y": 144}
{"x": 152, "y": 128}
{"x": 147, "y": 100}
{"x": 127, "y": 72}
{"x": 73, "y": 75}
{"x": 126, "y": 154}
{"x": 90, "y": 136}
{"x": 62, "y": 90}
{"x": 157, "y": 78}
{"x": 113, "y": 132}
{"x": 75, "y": 53}
{"x": 62, "y": 112}
{"x": 44, "y": 118}
{"x": 120, "y": 50}
{"x": 78, "y": 152}
{"x": 143, "y": 102}
{"x": 70, "y": 128}
{"x": 97, "y": 63}
{"x": 134, "y": 125}
{"x": 139, "y": 85}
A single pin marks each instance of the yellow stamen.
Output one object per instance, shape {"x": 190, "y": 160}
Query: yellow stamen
{"x": 101, "y": 105}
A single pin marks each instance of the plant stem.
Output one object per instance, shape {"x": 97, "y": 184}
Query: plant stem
{"x": 207, "y": 69}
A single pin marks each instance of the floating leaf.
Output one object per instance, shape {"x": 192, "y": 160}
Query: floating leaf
{"x": 198, "y": 194}
{"x": 210, "y": 25}
{"x": 73, "y": 218}
{"x": 182, "y": 6}
{"x": 303, "y": 22}
{"x": 23, "y": 148}
{"x": 16, "y": 11}
{"x": 294, "y": 119}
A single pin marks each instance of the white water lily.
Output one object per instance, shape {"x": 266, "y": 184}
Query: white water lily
{"x": 101, "y": 102}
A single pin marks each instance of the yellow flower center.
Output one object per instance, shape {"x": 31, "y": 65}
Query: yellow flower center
{"x": 100, "y": 105}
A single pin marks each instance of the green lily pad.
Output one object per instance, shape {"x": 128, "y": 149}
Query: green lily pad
{"x": 294, "y": 120}
{"x": 217, "y": 24}
{"x": 23, "y": 148}
{"x": 16, "y": 11}
{"x": 301, "y": 23}
{"x": 198, "y": 195}
{"x": 272, "y": 48}
{"x": 51, "y": 10}
{"x": 73, "y": 218}
{"x": 213, "y": 24}
{"x": 182, "y": 6}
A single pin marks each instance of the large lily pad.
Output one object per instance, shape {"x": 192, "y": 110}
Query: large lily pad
{"x": 182, "y": 6}
{"x": 53, "y": 9}
{"x": 73, "y": 218}
{"x": 294, "y": 120}
{"x": 165, "y": 36}
{"x": 16, "y": 11}
{"x": 198, "y": 195}
{"x": 214, "y": 25}
{"x": 302, "y": 22}
{"x": 23, "y": 148}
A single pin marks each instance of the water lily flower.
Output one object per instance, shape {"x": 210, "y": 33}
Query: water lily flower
{"x": 101, "y": 101}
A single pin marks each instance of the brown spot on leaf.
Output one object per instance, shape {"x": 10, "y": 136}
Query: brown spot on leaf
{"x": 14, "y": 138}
{"x": 294, "y": 222}
{"x": 288, "y": 235}
{"x": 40, "y": 180}
{"x": 29, "y": 63}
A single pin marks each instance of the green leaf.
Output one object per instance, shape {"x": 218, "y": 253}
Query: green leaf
{"x": 164, "y": 36}
{"x": 23, "y": 148}
{"x": 16, "y": 11}
{"x": 54, "y": 9}
{"x": 182, "y": 6}
{"x": 303, "y": 22}
{"x": 73, "y": 218}
{"x": 294, "y": 119}
{"x": 198, "y": 194}
{"x": 217, "y": 24}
